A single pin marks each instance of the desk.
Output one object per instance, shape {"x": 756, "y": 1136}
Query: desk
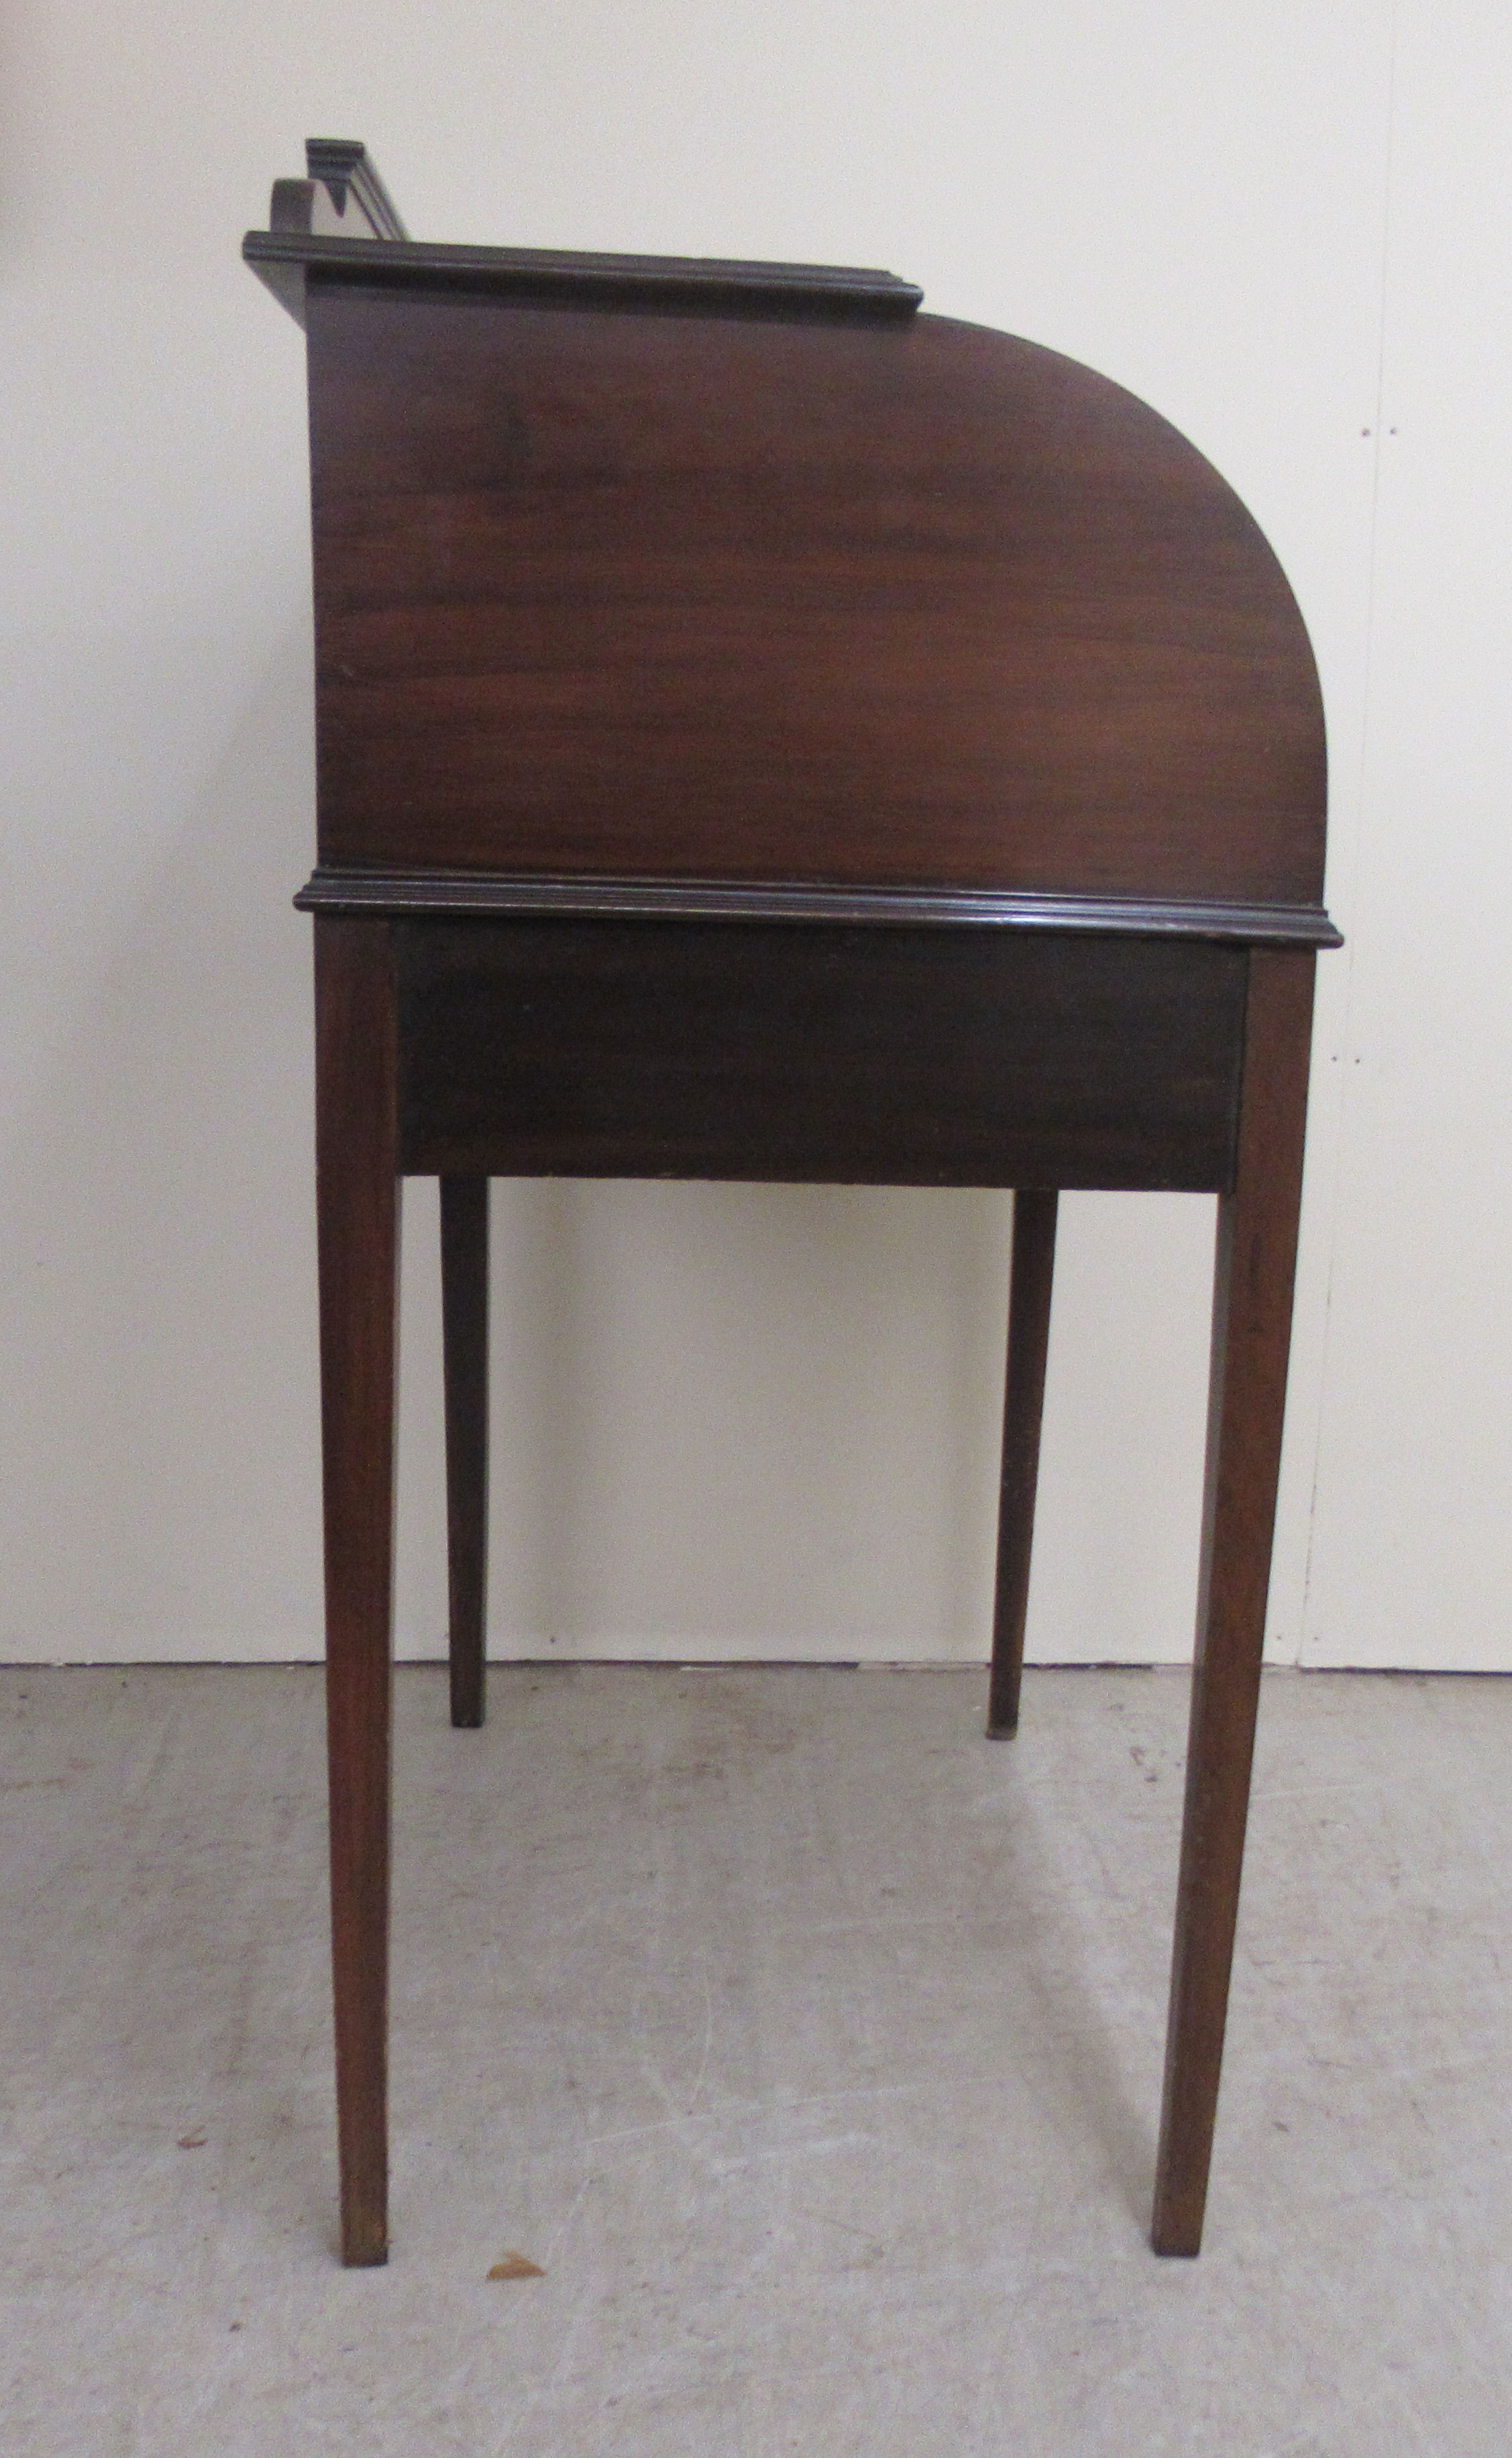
{"x": 766, "y": 732}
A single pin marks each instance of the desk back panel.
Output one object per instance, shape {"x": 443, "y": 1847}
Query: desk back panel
{"x": 877, "y": 1058}
{"x": 680, "y": 597}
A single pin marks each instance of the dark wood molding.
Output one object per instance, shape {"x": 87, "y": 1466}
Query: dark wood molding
{"x": 679, "y": 285}
{"x": 341, "y": 186}
{"x": 285, "y": 276}
{"x": 343, "y": 189}
{"x": 330, "y": 889}
{"x": 344, "y": 165}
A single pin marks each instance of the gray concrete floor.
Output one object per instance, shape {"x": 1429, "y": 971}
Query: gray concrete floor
{"x": 808, "y": 2042}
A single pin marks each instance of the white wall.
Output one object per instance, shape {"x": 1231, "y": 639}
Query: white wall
{"x": 732, "y": 1420}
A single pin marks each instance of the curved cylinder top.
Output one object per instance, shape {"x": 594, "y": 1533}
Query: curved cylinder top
{"x": 899, "y": 603}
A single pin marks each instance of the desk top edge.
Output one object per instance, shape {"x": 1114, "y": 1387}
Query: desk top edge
{"x": 704, "y": 285}
{"x": 413, "y": 894}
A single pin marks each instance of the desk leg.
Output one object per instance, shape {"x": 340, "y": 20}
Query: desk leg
{"x": 1033, "y": 1268}
{"x": 357, "y": 1201}
{"x": 465, "y": 1341}
{"x": 1252, "y": 1321}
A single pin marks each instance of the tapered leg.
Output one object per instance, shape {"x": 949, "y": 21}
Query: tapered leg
{"x": 358, "y": 1198}
{"x": 1256, "y": 1256}
{"x": 1033, "y": 1269}
{"x": 464, "y": 1319}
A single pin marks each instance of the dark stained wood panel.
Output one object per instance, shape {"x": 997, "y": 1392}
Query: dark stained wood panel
{"x": 688, "y": 597}
{"x": 900, "y": 1058}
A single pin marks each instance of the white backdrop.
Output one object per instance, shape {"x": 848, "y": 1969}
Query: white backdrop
{"x": 739, "y": 1420}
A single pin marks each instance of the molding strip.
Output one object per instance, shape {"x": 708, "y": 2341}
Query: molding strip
{"x": 479, "y": 895}
{"x": 553, "y": 277}
{"x": 344, "y": 165}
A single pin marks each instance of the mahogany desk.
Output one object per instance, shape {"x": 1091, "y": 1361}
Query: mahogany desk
{"x": 766, "y": 732}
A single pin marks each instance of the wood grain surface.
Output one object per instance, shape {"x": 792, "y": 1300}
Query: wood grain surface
{"x": 681, "y": 596}
{"x": 1251, "y": 1326}
{"x": 357, "y": 1210}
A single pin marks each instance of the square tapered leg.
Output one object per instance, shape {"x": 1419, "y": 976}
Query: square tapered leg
{"x": 465, "y": 1340}
{"x": 1252, "y": 1321}
{"x": 358, "y": 1206}
{"x": 1033, "y": 1270}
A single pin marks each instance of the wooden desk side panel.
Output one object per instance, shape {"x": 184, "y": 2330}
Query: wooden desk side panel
{"x": 688, "y": 597}
{"x": 877, "y": 1057}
